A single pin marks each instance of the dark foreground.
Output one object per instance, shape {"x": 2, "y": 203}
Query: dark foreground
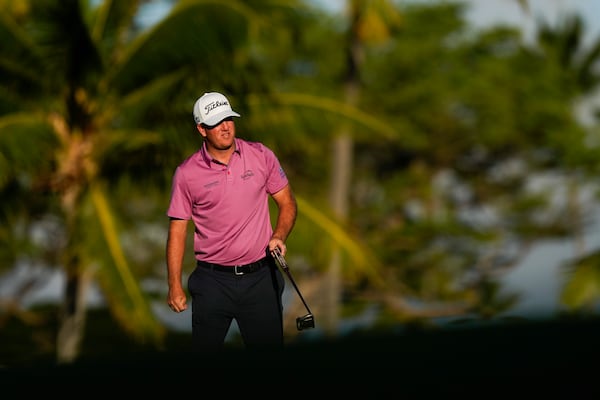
{"x": 561, "y": 359}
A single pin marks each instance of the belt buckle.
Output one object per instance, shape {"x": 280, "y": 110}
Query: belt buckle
{"x": 235, "y": 270}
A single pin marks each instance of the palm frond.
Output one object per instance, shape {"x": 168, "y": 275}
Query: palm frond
{"x": 329, "y": 106}
{"x": 128, "y": 303}
{"x": 360, "y": 255}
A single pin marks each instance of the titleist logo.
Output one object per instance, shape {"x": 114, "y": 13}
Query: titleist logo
{"x": 211, "y": 106}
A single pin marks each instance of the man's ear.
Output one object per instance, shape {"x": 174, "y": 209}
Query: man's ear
{"x": 201, "y": 130}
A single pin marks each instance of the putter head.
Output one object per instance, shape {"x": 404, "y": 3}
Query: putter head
{"x": 305, "y": 322}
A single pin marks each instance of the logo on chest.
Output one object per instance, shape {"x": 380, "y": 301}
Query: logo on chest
{"x": 247, "y": 174}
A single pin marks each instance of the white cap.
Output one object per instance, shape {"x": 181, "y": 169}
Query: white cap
{"x": 212, "y": 108}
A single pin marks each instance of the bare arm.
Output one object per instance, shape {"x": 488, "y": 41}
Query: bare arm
{"x": 176, "y": 298}
{"x": 286, "y": 218}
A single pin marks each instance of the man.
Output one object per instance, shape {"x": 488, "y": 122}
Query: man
{"x": 224, "y": 189}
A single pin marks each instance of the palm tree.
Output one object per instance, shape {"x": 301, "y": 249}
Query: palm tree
{"x": 369, "y": 21}
{"x": 90, "y": 99}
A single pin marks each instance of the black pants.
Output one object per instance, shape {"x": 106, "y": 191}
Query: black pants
{"x": 254, "y": 300}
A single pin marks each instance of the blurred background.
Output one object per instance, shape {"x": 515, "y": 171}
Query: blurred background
{"x": 444, "y": 155}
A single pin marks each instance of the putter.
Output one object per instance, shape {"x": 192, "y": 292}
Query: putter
{"x": 305, "y": 321}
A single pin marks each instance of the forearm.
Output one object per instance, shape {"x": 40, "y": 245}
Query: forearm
{"x": 286, "y": 217}
{"x": 174, "y": 264}
{"x": 285, "y": 223}
{"x": 175, "y": 252}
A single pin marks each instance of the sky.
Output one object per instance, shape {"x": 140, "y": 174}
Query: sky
{"x": 487, "y": 13}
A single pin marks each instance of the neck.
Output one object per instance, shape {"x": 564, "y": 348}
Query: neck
{"x": 221, "y": 155}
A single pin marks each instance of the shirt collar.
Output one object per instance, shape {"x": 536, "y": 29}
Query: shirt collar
{"x": 207, "y": 158}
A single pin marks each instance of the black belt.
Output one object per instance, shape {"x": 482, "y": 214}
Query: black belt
{"x": 234, "y": 269}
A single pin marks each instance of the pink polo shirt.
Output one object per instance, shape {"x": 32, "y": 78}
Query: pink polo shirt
{"x": 229, "y": 204}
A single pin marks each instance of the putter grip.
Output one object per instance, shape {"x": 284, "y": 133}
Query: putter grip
{"x": 279, "y": 258}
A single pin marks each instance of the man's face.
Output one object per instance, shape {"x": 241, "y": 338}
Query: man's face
{"x": 221, "y": 135}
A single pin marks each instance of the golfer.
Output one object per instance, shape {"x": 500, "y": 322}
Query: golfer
{"x": 224, "y": 189}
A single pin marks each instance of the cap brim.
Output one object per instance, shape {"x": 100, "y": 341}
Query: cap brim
{"x": 215, "y": 119}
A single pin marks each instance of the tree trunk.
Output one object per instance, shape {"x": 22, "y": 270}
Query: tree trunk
{"x": 341, "y": 174}
{"x": 72, "y": 315}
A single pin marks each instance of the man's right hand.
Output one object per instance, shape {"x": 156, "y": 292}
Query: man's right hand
{"x": 177, "y": 300}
